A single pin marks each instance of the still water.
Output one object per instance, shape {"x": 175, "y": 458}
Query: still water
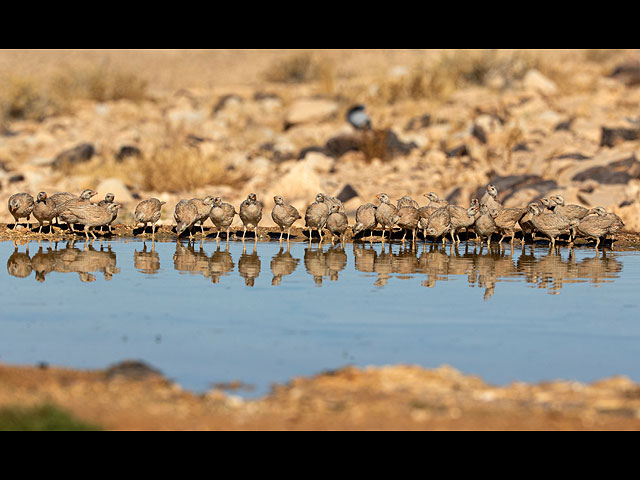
{"x": 264, "y": 312}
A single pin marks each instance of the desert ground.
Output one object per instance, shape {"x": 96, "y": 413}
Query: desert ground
{"x": 174, "y": 124}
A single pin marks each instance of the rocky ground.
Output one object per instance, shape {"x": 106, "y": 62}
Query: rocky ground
{"x": 133, "y": 396}
{"x": 183, "y": 124}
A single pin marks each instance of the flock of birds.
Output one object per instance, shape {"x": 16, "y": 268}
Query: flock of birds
{"x": 550, "y": 217}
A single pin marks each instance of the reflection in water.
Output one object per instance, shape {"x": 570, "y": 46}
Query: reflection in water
{"x": 322, "y": 264}
{"x": 283, "y": 263}
{"x": 67, "y": 260}
{"x": 429, "y": 264}
{"x": 147, "y": 262}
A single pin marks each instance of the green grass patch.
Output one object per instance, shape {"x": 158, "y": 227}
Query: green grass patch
{"x": 41, "y": 418}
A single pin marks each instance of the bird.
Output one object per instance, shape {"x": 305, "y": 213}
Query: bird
{"x": 91, "y": 215}
{"x": 407, "y": 201}
{"x": 204, "y": 208}
{"x": 251, "y": 214}
{"x": 550, "y": 224}
{"x": 108, "y": 198}
{"x": 485, "y": 224}
{"x": 527, "y": 226}
{"x": 316, "y": 215}
{"x": 358, "y": 118}
{"x": 435, "y": 201}
{"x": 490, "y": 198}
{"x": 439, "y": 223}
{"x": 407, "y": 218}
{"x": 222, "y": 214}
{"x": 569, "y": 211}
{"x": 63, "y": 210}
{"x": 385, "y": 213}
{"x": 284, "y": 215}
{"x": 425, "y": 212}
{"x": 337, "y": 223}
{"x": 365, "y": 219}
{"x": 44, "y": 210}
{"x": 334, "y": 201}
{"x": 599, "y": 225}
{"x": 507, "y": 221}
{"x": 149, "y": 211}
{"x": 21, "y": 206}
{"x": 185, "y": 215}
{"x": 461, "y": 218}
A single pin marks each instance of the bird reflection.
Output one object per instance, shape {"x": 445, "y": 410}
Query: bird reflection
{"x": 321, "y": 264}
{"x": 483, "y": 268}
{"x": 85, "y": 262}
{"x": 282, "y": 263}
{"x": 249, "y": 265}
{"x": 147, "y": 261}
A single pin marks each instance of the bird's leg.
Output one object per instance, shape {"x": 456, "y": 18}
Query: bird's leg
{"x": 281, "y": 232}
{"x": 288, "y": 234}
{"x": 597, "y": 242}
{"x": 245, "y": 232}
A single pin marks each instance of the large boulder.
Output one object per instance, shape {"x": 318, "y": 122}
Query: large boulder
{"x": 78, "y": 154}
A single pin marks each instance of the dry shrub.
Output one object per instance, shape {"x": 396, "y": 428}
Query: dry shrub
{"x": 373, "y": 144}
{"x": 24, "y": 97}
{"x": 301, "y": 68}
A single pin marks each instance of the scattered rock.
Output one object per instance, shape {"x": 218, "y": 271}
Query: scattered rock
{"x": 416, "y": 123}
{"x": 534, "y": 80}
{"x": 614, "y": 136}
{"x": 347, "y": 193}
{"x": 478, "y": 132}
{"x": 458, "y": 151}
{"x": 224, "y": 100}
{"x": 16, "y": 178}
{"x": 310, "y": 110}
{"x": 565, "y": 125}
{"x": 341, "y": 144}
{"x": 619, "y": 171}
{"x": 78, "y": 154}
{"x": 131, "y": 369}
{"x": 628, "y": 73}
{"x": 127, "y": 151}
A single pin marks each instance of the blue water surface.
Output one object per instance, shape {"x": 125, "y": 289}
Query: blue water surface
{"x": 263, "y": 313}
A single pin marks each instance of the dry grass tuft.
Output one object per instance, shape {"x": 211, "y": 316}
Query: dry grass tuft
{"x": 26, "y": 98}
{"x": 301, "y": 68}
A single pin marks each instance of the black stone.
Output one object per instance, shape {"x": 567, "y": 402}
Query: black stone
{"x": 128, "y": 151}
{"x": 417, "y": 123}
{"x": 78, "y": 154}
{"x": 613, "y": 136}
{"x": 347, "y": 193}
{"x": 478, "y": 132}
{"x": 618, "y": 172}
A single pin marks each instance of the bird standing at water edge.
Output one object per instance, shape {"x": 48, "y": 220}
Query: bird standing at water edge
{"x": 185, "y": 215}
{"x": 284, "y": 215}
{"x": 251, "y": 214}
{"x": 316, "y": 215}
{"x": 149, "y": 211}
{"x": 44, "y": 210}
{"x": 21, "y": 206}
{"x": 222, "y": 214}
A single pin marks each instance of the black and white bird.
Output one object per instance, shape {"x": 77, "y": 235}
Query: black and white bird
{"x": 358, "y": 118}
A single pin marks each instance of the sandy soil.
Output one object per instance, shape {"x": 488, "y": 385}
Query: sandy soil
{"x": 131, "y": 396}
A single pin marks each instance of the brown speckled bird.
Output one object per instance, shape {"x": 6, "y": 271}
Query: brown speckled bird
{"x": 365, "y": 219}
{"x": 507, "y": 222}
{"x": 407, "y": 201}
{"x": 108, "y": 198}
{"x": 251, "y": 214}
{"x": 21, "y": 206}
{"x": 435, "y": 201}
{"x": 185, "y": 215}
{"x": 485, "y": 224}
{"x": 490, "y": 198}
{"x": 407, "y": 218}
{"x": 316, "y": 215}
{"x": 550, "y": 224}
{"x": 526, "y": 225}
{"x": 91, "y": 215}
{"x": 331, "y": 201}
{"x": 599, "y": 225}
{"x": 439, "y": 224}
{"x": 337, "y": 223}
{"x": 204, "y": 208}
{"x": 63, "y": 210}
{"x": 385, "y": 213}
{"x": 461, "y": 218}
{"x": 44, "y": 210}
{"x": 149, "y": 211}
{"x": 222, "y": 214}
{"x": 577, "y": 212}
{"x": 284, "y": 215}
